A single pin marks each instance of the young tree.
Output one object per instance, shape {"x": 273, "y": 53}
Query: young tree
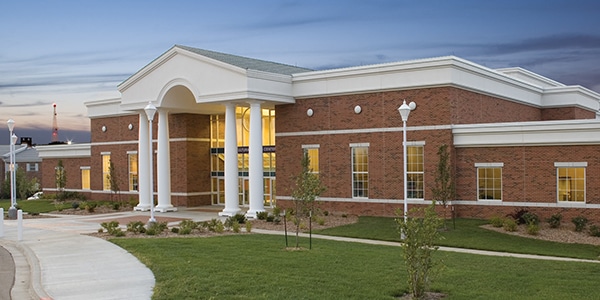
{"x": 443, "y": 189}
{"x": 61, "y": 178}
{"x": 308, "y": 188}
{"x": 113, "y": 179}
{"x": 418, "y": 247}
{"x": 25, "y": 186}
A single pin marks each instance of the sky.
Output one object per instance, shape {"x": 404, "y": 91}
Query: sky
{"x": 71, "y": 52}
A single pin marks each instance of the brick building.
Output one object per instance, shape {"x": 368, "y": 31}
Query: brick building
{"x": 516, "y": 139}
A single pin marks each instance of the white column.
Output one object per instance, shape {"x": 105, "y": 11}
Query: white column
{"x": 143, "y": 168}
{"x": 163, "y": 169}
{"x": 255, "y": 163}
{"x": 232, "y": 206}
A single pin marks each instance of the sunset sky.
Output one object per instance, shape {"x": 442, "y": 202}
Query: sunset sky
{"x": 71, "y": 52}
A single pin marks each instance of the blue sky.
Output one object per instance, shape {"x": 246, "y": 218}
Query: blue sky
{"x": 70, "y": 52}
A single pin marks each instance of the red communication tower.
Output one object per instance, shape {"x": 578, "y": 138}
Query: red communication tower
{"x": 54, "y": 126}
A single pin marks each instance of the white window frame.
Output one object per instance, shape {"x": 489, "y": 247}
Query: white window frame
{"x": 494, "y": 165}
{"x": 571, "y": 165}
{"x": 365, "y": 191}
{"x": 306, "y": 148}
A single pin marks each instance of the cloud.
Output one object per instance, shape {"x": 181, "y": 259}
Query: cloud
{"x": 545, "y": 43}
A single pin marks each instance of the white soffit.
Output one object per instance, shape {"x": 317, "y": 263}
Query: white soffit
{"x": 572, "y": 132}
{"x": 105, "y": 108}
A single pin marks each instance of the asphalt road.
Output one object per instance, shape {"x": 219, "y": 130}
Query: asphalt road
{"x": 7, "y": 274}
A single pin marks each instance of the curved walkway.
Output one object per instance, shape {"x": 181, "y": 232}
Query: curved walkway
{"x": 56, "y": 260}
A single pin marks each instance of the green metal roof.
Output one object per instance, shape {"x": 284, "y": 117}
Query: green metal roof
{"x": 247, "y": 63}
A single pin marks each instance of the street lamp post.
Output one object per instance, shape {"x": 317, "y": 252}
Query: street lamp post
{"x": 404, "y": 111}
{"x": 12, "y": 211}
{"x": 150, "y": 111}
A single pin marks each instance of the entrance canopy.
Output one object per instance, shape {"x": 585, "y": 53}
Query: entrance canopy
{"x": 209, "y": 78}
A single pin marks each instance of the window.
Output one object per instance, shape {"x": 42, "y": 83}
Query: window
{"x": 85, "y": 178}
{"x": 570, "y": 181}
{"x": 415, "y": 170}
{"x": 313, "y": 156}
{"x": 360, "y": 170}
{"x": 133, "y": 171}
{"x": 32, "y": 167}
{"x": 489, "y": 181}
{"x": 106, "y": 171}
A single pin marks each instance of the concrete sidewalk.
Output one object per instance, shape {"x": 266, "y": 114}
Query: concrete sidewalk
{"x": 56, "y": 260}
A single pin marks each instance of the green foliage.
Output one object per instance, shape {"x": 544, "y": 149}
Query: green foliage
{"x": 156, "y": 228}
{"x": 24, "y": 188}
{"x": 533, "y": 229}
{"x": 518, "y": 216}
{"x": 307, "y": 188}
{"x": 116, "y": 205}
{"x": 69, "y": 195}
{"x": 235, "y": 227}
{"x": 89, "y": 206}
{"x": 75, "y": 205}
{"x": 594, "y": 230}
{"x": 276, "y": 211}
{"x": 530, "y": 218}
{"x": 248, "y": 227}
{"x": 60, "y": 176}
{"x": 112, "y": 228}
{"x": 497, "y": 221}
{"x": 443, "y": 188}
{"x": 554, "y": 220}
{"x": 240, "y": 218}
{"x": 136, "y": 227}
{"x": 420, "y": 236}
{"x": 270, "y": 218}
{"x": 262, "y": 215}
{"x": 510, "y": 225}
{"x": 214, "y": 225}
{"x": 580, "y": 223}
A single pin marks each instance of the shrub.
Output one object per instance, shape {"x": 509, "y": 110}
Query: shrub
{"x": 270, "y": 218}
{"x": 533, "y": 229}
{"x": 188, "y": 224}
{"x": 75, "y": 205}
{"x": 510, "y": 225}
{"x": 420, "y": 236}
{"x": 175, "y": 230}
{"x": 518, "y": 216}
{"x": 89, "y": 206}
{"x": 116, "y": 205}
{"x": 214, "y": 225}
{"x": 236, "y": 227}
{"x": 580, "y": 222}
{"x": 113, "y": 228}
{"x": 530, "y": 218}
{"x": 248, "y": 227}
{"x": 320, "y": 220}
{"x": 155, "y": 228}
{"x": 276, "y": 211}
{"x": 241, "y": 218}
{"x": 136, "y": 227}
{"x": 594, "y": 230}
{"x": 262, "y": 215}
{"x": 496, "y": 221}
{"x": 554, "y": 220}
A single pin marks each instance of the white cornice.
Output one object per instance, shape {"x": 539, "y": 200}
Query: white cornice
{"x": 64, "y": 151}
{"x": 542, "y": 133}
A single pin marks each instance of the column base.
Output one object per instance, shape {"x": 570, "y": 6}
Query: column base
{"x": 165, "y": 208}
{"x": 141, "y": 208}
{"x": 252, "y": 214}
{"x": 229, "y": 212}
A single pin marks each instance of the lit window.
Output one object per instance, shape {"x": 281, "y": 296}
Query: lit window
{"x": 85, "y": 178}
{"x": 489, "y": 181}
{"x": 360, "y": 171}
{"x": 133, "y": 171}
{"x": 313, "y": 156}
{"x": 570, "y": 185}
{"x": 106, "y": 171}
{"x": 415, "y": 172}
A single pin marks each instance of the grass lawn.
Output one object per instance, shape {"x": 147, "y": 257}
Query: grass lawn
{"x": 467, "y": 234}
{"x": 257, "y": 267}
{"x": 34, "y": 206}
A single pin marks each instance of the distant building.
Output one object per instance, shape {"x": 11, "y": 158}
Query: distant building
{"x": 26, "y": 157}
{"x": 230, "y": 131}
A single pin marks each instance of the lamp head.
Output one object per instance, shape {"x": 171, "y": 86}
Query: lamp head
{"x": 13, "y": 139}
{"x": 404, "y": 111}
{"x": 150, "y": 111}
{"x": 11, "y": 124}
